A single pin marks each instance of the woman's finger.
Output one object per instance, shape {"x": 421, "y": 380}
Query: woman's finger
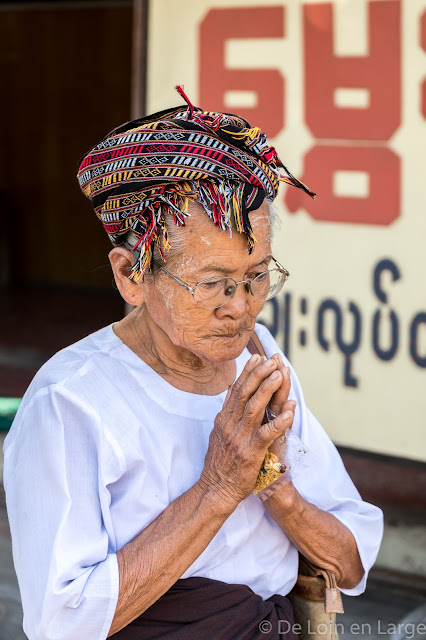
{"x": 270, "y": 431}
{"x": 247, "y": 384}
{"x": 290, "y": 405}
{"x": 260, "y": 373}
{"x": 234, "y": 390}
{"x": 255, "y": 406}
{"x": 281, "y": 395}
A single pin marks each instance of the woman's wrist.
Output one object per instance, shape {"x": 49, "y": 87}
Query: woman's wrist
{"x": 216, "y": 499}
{"x": 284, "y": 500}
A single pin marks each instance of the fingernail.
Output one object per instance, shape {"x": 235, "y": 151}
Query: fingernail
{"x": 264, "y": 358}
{"x": 254, "y": 359}
{"x": 271, "y": 363}
{"x": 275, "y": 375}
{"x": 287, "y": 414}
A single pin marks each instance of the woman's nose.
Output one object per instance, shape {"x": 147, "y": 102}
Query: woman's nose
{"x": 238, "y": 306}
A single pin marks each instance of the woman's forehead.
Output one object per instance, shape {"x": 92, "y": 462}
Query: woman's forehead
{"x": 202, "y": 243}
{"x": 197, "y": 221}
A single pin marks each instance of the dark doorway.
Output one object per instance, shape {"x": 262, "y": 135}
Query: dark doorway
{"x": 66, "y": 73}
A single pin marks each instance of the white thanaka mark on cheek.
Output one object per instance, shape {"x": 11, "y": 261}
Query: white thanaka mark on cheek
{"x": 169, "y": 297}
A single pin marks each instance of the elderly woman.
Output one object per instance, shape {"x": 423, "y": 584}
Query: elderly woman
{"x": 131, "y": 465}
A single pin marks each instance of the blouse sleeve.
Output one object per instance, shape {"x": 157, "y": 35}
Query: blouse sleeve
{"x": 56, "y": 501}
{"x": 326, "y": 483}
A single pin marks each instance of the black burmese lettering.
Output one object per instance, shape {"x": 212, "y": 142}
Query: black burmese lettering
{"x": 385, "y": 265}
{"x": 347, "y": 348}
{"x": 281, "y": 320}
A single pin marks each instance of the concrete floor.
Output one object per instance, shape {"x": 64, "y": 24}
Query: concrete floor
{"x": 377, "y": 612}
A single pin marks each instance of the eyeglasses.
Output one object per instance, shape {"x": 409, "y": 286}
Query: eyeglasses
{"x": 213, "y": 293}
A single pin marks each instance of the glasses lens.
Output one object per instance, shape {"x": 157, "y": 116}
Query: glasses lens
{"x": 214, "y": 292}
{"x": 268, "y": 284}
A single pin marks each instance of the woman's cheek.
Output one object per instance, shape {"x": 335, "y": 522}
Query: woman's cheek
{"x": 183, "y": 321}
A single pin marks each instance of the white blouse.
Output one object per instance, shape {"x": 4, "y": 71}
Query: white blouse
{"x": 100, "y": 446}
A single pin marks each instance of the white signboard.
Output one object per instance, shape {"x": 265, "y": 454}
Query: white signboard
{"x": 340, "y": 89}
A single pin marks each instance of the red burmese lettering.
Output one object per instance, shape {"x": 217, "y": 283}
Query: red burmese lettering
{"x": 379, "y": 72}
{"x": 215, "y": 79}
{"x": 380, "y": 207}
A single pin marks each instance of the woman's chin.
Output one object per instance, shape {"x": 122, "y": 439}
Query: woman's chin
{"x": 227, "y": 347}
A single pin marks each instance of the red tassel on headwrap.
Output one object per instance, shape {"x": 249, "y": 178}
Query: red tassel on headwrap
{"x": 181, "y": 92}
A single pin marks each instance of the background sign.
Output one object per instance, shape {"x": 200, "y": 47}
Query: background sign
{"x": 340, "y": 89}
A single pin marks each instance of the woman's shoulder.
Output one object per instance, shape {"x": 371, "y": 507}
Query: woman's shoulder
{"x": 69, "y": 381}
{"x": 66, "y": 364}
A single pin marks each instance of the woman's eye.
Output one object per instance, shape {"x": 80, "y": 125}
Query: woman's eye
{"x": 212, "y": 285}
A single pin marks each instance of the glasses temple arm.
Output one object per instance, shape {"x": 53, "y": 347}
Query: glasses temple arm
{"x": 176, "y": 279}
{"x": 280, "y": 266}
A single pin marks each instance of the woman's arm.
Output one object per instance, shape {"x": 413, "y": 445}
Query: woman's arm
{"x": 152, "y": 562}
{"x": 318, "y": 535}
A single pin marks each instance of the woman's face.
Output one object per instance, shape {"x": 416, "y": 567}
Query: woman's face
{"x": 210, "y": 334}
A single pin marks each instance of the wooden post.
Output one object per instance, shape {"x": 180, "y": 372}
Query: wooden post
{"x": 139, "y": 72}
{"x": 139, "y": 58}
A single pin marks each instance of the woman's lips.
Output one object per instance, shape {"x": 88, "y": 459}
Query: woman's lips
{"x": 237, "y": 334}
{"x": 234, "y": 334}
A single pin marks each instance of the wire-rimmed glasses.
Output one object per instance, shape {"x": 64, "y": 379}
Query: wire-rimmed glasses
{"x": 215, "y": 292}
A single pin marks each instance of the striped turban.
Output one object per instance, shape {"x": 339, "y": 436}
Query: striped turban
{"x": 155, "y": 165}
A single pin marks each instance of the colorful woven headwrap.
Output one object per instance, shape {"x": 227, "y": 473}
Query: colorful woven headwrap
{"x": 152, "y": 166}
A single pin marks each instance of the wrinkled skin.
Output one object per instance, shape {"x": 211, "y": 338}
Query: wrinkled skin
{"x": 195, "y": 349}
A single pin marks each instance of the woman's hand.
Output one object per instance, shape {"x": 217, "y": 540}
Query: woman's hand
{"x": 279, "y": 402}
{"x": 239, "y": 440}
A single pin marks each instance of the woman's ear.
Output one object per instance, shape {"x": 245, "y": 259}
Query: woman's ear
{"x": 122, "y": 261}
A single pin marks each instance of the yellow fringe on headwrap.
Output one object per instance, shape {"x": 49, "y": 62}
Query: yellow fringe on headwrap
{"x": 185, "y": 193}
{"x": 165, "y": 242}
{"x": 235, "y": 211}
{"x": 245, "y": 133}
{"x": 138, "y": 269}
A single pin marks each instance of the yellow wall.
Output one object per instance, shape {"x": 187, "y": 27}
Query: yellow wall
{"x": 370, "y": 215}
